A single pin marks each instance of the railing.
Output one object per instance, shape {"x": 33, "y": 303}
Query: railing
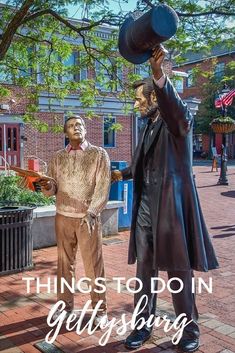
{"x": 6, "y": 166}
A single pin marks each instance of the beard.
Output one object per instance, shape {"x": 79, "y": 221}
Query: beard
{"x": 152, "y": 111}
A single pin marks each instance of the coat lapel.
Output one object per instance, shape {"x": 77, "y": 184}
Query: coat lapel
{"x": 139, "y": 148}
{"x": 156, "y": 130}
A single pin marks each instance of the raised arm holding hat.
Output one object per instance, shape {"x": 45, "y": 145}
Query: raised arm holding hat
{"x": 168, "y": 231}
{"x": 138, "y": 37}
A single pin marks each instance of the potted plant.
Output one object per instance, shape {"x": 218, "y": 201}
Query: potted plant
{"x": 223, "y": 125}
{"x": 11, "y": 191}
{"x": 16, "y": 218}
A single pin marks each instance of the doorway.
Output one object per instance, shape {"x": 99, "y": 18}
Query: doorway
{"x": 9, "y": 145}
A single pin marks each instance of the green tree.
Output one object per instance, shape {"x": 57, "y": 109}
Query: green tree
{"x": 210, "y": 90}
{"x": 37, "y": 43}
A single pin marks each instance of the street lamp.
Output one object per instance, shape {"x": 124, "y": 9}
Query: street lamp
{"x": 223, "y": 180}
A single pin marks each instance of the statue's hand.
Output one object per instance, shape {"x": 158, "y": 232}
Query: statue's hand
{"x": 156, "y": 61}
{"x": 44, "y": 183}
{"x": 90, "y": 221}
{"x": 116, "y": 175}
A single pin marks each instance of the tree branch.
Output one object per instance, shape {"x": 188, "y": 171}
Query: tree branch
{"x": 181, "y": 14}
{"x": 212, "y": 12}
{"x": 35, "y": 39}
{"x": 12, "y": 27}
{"x": 89, "y": 52}
{"x": 147, "y": 2}
{"x": 67, "y": 23}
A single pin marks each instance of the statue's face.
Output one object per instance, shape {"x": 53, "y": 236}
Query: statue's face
{"x": 141, "y": 102}
{"x": 75, "y": 130}
{"x": 146, "y": 105}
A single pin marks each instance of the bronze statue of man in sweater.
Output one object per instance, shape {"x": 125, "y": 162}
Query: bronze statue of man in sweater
{"x": 82, "y": 178}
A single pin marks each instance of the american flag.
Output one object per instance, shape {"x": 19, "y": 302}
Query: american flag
{"x": 218, "y": 103}
{"x": 225, "y": 99}
{"x": 228, "y": 98}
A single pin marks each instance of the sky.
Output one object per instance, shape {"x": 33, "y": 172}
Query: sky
{"x": 126, "y": 6}
{"x": 114, "y": 5}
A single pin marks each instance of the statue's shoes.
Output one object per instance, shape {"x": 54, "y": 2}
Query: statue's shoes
{"x": 137, "y": 338}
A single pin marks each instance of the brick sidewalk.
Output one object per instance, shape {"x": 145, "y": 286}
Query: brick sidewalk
{"x": 23, "y": 316}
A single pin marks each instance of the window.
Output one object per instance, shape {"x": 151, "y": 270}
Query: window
{"x": 83, "y": 68}
{"x": 197, "y": 143}
{"x": 55, "y": 73}
{"x": 109, "y": 132}
{"x": 11, "y": 139}
{"x": 49, "y": 68}
{"x": 109, "y": 75}
{"x": 142, "y": 70}
{"x": 219, "y": 70}
{"x": 70, "y": 65}
{"x": 189, "y": 80}
{"x": 66, "y": 141}
{"x": 102, "y": 75}
{"x": 179, "y": 84}
{"x": 26, "y": 70}
{"x": 4, "y": 75}
{"x": 1, "y": 139}
{"x": 119, "y": 78}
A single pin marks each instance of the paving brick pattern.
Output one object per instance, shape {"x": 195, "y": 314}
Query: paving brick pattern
{"x": 23, "y": 316}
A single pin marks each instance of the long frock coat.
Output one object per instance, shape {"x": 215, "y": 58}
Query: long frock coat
{"x": 180, "y": 237}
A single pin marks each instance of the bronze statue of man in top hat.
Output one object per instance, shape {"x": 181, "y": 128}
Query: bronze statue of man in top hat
{"x": 168, "y": 231}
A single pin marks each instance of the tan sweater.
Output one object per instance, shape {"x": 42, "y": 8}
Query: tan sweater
{"x": 82, "y": 181}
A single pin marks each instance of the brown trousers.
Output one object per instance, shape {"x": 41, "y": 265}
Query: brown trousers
{"x": 70, "y": 233}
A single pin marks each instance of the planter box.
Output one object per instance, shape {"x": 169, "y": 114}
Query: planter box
{"x": 43, "y": 228}
{"x": 222, "y": 128}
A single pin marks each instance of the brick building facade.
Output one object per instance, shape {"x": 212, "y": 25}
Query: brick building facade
{"x": 19, "y": 140}
{"x": 191, "y": 90}
{"x": 31, "y": 142}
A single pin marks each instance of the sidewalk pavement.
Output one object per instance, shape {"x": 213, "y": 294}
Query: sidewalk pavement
{"x": 208, "y": 162}
{"x": 23, "y": 316}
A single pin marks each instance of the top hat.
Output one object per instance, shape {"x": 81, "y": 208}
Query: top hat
{"x": 138, "y": 37}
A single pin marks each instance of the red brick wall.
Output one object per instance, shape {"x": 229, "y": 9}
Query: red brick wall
{"x": 218, "y": 142}
{"x": 44, "y": 145}
{"x": 205, "y": 143}
{"x": 196, "y": 90}
{"x": 17, "y": 100}
{"x": 122, "y": 150}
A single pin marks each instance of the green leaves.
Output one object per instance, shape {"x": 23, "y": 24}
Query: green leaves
{"x": 4, "y": 92}
{"x": 224, "y": 120}
{"x": 207, "y": 111}
{"x": 116, "y": 127}
{"x": 11, "y": 191}
{"x": 44, "y": 56}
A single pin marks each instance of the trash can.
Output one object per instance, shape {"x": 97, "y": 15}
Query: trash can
{"x": 122, "y": 191}
{"x": 16, "y": 243}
